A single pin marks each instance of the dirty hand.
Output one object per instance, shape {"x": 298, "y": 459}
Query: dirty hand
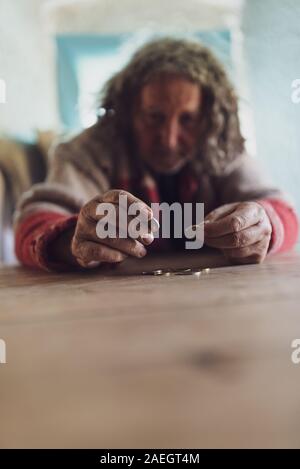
{"x": 90, "y": 250}
{"x": 241, "y": 230}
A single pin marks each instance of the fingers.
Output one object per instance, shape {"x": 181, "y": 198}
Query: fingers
{"x": 86, "y": 232}
{"x": 221, "y": 212}
{"x": 115, "y": 235}
{"x": 113, "y": 196}
{"x": 135, "y": 225}
{"x": 118, "y": 220}
{"x": 252, "y": 254}
{"x": 110, "y": 228}
{"x": 239, "y": 239}
{"x": 130, "y": 247}
{"x": 95, "y": 209}
{"x": 242, "y": 231}
{"x": 88, "y": 252}
{"x": 243, "y": 216}
{"x": 106, "y": 226}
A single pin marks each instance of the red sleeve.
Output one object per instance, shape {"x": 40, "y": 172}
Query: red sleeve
{"x": 35, "y": 233}
{"x": 285, "y": 224}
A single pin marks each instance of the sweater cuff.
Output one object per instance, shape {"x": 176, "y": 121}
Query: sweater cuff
{"x": 277, "y": 237}
{"x": 34, "y": 235}
{"x": 285, "y": 224}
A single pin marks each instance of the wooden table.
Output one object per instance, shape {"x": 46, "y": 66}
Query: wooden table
{"x": 116, "y": 359}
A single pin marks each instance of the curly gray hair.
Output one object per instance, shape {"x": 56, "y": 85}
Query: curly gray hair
{"x": 220, "y": 139}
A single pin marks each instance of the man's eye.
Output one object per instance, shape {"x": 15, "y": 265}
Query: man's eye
{"x": 188, "y": 120}
{"x": 154, "y": 118}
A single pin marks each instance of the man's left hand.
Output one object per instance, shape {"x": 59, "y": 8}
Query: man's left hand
{"x": 241, "y": 230}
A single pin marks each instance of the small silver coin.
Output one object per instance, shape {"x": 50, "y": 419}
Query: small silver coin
{"x": 186, "y": 272}
{"x": 156, "y": 272}
{"x": 171, "y": 272}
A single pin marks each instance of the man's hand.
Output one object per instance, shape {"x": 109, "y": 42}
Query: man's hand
{"x": 241, "y": 230}
{"x": 90, "y": 250}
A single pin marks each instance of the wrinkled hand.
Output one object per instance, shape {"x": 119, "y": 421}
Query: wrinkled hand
{"x": 241, "y": 230}
{"x": 89, "y": 250}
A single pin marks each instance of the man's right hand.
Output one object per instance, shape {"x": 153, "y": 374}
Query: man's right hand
{"x": 90, "y": 250}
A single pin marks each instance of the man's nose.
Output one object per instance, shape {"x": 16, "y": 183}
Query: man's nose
{"x": 170, "y": 135}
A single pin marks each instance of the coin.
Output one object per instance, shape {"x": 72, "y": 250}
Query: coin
{"x": 171, "y": 272}
{"x": 186, "y": 272}
{"x": 206, "y": 271}
{"x": 155, "y": 272}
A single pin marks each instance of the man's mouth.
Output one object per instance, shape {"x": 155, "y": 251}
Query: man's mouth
{"x": 169, "y": 159}
{"x": 164, "y": 161}
{"x": 169, "y": 164}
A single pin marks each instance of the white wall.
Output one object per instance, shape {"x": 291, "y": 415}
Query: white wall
{"x": 109, "y": 16}
{"x": 26, "y": 65}
{"x": 272, "y": 45}
{"x": 27, "y": 61}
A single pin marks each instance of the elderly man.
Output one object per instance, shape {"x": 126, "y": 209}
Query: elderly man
{"x": 170, "y": 133}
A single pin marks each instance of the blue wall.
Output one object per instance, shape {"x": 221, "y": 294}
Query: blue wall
{"x": 272, "y": 47}
{"x": 71, "y": 48}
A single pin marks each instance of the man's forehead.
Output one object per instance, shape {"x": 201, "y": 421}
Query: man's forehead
{"x": 174, "y": 92}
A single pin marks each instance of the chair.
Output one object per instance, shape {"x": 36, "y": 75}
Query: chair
{"x": 21, "y": 166}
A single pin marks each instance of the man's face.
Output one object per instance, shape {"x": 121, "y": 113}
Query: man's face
{"x": 166, "y": 123}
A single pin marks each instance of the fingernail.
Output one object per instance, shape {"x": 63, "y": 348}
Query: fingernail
{"x": 93, "y": 264}
{"x": 142, "y": 251}
{"x": 148, "y": 238}
{"x": 151, "y": 211}
{"x": 193, "y": 230}
{"x": 121, "y": 257}
{"x": 154, "y": 225}
{"x": 190, "y": 231}
{"x": 144, "y": 208}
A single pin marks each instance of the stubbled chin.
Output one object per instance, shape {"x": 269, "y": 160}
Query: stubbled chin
{"x": 168, "y": 168}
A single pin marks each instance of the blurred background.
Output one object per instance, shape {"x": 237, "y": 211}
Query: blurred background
{"x": 56, "y": 55}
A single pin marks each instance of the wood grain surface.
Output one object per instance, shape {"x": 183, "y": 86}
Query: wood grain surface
{"x": 115, "y": 359}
